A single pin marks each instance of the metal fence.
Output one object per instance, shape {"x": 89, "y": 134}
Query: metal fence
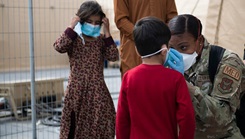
{"x": 33, "y": 76}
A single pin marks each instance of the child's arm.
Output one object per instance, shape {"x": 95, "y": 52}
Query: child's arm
{"x": 185, "y": 111}
{"x": 111, "y": 51}
{"x": 123, "y": 116}
{"x": 64, "y": 42}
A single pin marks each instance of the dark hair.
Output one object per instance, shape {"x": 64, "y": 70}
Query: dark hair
{"x": 150, "y": 33}
{"x": 185, "y": 23}
{"x": 89, "y": 8}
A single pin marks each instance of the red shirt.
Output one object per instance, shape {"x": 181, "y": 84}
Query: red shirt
{"x": 153, "y": 102}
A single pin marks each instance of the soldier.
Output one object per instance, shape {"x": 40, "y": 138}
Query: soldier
{"x": 215, "y": 101}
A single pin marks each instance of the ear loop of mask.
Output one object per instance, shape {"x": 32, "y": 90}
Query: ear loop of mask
{"x": 145, "y": 56}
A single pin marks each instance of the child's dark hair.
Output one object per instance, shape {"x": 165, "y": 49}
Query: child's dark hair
{"x": 185, "y": 23}
{"x": 150, "y": 33}
{"x": 89, "y": 8}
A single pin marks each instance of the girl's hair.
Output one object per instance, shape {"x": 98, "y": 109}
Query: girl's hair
{"x": 89, "y": 8}
{"x": 185, "y": 23}
{"x": 150, "y": 33}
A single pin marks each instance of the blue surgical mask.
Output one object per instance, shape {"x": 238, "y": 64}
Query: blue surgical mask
{"x": 90, "y": 30}
{"x": 78, "y": 29}
{"x": 166, "y": 59}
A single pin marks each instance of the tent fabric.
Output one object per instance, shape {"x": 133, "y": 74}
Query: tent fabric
{"x": 225, "y": 24}
{"x": 197, "y": 8}
{"x": 222, "y": 20}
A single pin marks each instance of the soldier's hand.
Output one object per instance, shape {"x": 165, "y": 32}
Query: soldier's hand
{"x": 176, "y": 61}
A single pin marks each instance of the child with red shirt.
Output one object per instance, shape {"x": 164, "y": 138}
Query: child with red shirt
{"x": 154, "y": 101}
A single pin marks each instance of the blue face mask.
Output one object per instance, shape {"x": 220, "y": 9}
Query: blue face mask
{"x": 168, "y": 58}
{"x": 90, "y": 30}
{"x": 165, "y": 64}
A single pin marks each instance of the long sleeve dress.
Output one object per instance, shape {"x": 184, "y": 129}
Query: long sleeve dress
{"x": 88, "y": 111}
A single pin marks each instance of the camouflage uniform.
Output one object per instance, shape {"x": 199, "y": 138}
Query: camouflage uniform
{"x": 215, "y": 104}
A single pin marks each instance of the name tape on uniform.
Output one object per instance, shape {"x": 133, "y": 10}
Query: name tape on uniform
{"x": 232, "y": 72}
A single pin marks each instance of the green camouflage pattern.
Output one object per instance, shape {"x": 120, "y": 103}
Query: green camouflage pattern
{"x": 215, "y": 104}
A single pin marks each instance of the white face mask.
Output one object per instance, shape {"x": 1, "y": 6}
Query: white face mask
{"x": 149, "y": 55}
{"x": 189, "y": 60}
{"x": 145, "y": 56}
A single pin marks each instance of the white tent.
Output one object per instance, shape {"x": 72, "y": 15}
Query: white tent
{"x": 198, "y": 8}
{"x": 222, "y": 20}
{"x": 225, "y": 24}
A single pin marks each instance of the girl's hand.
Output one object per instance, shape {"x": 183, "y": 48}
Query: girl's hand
{"x": 74, "y": 21}
{"x": 106, "y": 27}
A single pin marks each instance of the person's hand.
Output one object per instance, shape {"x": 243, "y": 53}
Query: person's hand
{"x": 191, "y": 89}
{"x": 176, "y": 61}
{"x": 74, "y": 21}
{"x": 106, "y": 27}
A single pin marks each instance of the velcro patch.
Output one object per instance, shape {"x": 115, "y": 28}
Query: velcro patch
{"x": 232, "y": 72}
{"x": 225, "y": 86}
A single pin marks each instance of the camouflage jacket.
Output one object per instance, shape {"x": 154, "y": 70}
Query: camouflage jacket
{"x": 215, "y": 104}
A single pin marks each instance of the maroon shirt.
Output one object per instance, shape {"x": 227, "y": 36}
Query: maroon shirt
{"x": 153, "y": 102}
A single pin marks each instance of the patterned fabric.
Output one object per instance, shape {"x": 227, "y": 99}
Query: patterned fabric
{"x": 87, "y": 95}
{"x": 215, "y": 104}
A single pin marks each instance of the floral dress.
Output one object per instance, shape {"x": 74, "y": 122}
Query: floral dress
{"x": 88, "y": 111}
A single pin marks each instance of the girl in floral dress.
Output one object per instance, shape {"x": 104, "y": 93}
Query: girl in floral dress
{"x": 88, "y": 111}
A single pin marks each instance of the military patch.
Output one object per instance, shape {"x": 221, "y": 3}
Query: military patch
{"x": 203, "y": 78}
{"x": 232, "y": 72}
{"x": 226, "y": 85}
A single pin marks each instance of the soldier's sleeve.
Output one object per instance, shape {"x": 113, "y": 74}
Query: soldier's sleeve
{"x": 219, "y": 106}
